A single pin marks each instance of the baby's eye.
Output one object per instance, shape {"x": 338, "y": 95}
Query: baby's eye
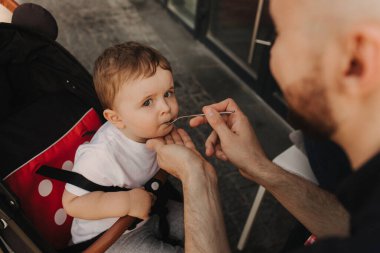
{"x": 168, "y": 94}
{"x": 148, "y": 102}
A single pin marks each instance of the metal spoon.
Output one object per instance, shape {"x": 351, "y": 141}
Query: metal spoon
{"x": 196, "y": 115}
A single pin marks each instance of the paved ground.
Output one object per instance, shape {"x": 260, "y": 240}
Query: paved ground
{"x": 88, "y": 27}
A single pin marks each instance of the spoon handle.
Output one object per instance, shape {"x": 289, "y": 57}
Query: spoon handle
{"x": 200, "y": 114}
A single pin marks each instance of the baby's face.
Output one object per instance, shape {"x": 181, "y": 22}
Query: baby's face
{"x": 146, "y": 105}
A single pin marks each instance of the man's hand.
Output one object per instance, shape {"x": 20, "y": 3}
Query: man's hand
{"x": 204, "y": 225}
{"x": 232, "y": 138}
{"x": 176, "y": 153}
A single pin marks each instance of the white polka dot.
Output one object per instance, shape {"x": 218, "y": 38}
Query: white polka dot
{"x": 68, "y": 165}
{"x": 155, "y": 186}
{"x": 45, "y": 187}
{"x": 60, "y": 216}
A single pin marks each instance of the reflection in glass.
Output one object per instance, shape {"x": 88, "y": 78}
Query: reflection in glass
{"x": 232, "y": 24}
{"x": 185, "y": 9}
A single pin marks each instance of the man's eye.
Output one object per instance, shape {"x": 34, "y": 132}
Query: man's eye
{"x": 148, "y": 102}
{"x": 168, "y": 94}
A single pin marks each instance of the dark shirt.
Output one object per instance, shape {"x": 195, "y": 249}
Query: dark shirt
{"x": 360, "y": 195}
{"x": 328, "y": 161}
{"x": 330, "y": 166}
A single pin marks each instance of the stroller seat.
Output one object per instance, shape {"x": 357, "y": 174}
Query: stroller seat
{"x": 49, "y": 107}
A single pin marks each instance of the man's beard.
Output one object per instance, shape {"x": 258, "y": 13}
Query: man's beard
{"x": 309, "y": 108}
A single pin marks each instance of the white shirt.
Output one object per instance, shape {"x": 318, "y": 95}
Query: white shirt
{"x": 110, "y": 159}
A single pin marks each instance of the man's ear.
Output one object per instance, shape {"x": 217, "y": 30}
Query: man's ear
{"x": 362, "y": 64}
{"x": 114, "y": 118}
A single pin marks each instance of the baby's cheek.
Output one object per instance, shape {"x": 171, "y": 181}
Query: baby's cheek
{"x": 147, "y": 126}
{"x": 175, "y": 108}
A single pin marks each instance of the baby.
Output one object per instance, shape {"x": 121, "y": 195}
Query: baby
{"x": 134, "y": 83}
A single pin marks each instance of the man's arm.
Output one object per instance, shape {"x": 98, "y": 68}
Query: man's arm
{"x": 318, "y": 210}
{"x": 234, "y": 139}
{"x": 100, "y": 205}
{"x": 204, "y": 224}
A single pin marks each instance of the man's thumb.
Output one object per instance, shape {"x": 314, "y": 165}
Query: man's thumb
{"x": 217, "y": 123}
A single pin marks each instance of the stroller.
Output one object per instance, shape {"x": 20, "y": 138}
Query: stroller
{"x": 49, "y": 107}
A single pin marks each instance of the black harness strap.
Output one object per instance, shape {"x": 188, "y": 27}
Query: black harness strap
{"x": 76, "y": 179}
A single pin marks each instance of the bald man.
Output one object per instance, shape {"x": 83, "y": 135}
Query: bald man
{"x": 326, "y": 60}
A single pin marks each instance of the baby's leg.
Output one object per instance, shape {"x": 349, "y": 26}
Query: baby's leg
{"x": 175, "y": 220}
{"x": 143, "y": 240}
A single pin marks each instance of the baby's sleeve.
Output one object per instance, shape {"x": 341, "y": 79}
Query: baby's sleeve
{"x": 90, "y": 163}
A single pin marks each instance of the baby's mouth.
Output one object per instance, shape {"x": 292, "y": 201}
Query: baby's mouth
{"x": 170, "y": 121}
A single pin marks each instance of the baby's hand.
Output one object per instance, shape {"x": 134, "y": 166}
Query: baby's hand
{"x": 140, "y": 202}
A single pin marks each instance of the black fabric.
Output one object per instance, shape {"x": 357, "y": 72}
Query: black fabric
{"x": 80, "y": 247}
{"x": 360, "y": 194}
{"x": 44, "y": 91}
{"x": 36, "y": 18}
{"x": 33, "y": 66}
{"x": 34, "y": 128}
{"x": 297, "y": 237}
{"x": 328, "y": 161}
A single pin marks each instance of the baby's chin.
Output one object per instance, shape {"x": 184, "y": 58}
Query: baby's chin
{"x": 166, "y": 130}
{"x": 160, "y": 133}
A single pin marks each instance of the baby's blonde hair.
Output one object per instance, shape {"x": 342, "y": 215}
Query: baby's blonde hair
{"x": 122, "y": 63}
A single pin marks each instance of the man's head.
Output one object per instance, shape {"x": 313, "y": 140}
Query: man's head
{"x": 326, "y": 59}
{"x": 134, "y": 83}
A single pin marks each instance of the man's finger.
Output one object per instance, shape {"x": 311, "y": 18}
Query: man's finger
{"x": 220, "y": 156}
{"x": 169, "y": 139}
{"x": 219, "y": 153}
{"x": 226, "y": 105}
{"x": 176, "y": 137}
{"x": 217, "y": 123}
{"x": 186, "y": 139}
{"x": 210, "y": 143}
{"x": 197, "y": 121}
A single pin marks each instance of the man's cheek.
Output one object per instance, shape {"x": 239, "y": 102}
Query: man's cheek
{"x": 278, "y": 75}
{"x": 275, "y": 65}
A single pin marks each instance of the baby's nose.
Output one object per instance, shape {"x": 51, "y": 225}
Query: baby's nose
{"x": 165, "y": 107}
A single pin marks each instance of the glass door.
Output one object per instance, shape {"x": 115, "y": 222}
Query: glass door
{"x": 185, "y": 9}
{"x": 239, "y": 28}
{"x": 240, "y": 32}
{"x": 243, "y": 30}
{"x": 231, "y": 27}
{"x": 262, "y": 35}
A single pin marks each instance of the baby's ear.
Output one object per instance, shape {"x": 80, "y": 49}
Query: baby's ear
{"x": 114, "y": 118}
